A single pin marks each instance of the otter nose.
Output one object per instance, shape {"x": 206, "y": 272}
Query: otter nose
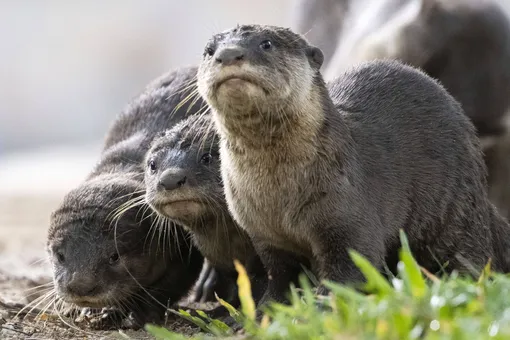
{"x": 172, "y": 179}
{"x": 230, "y": 56}
{"x": 82, "y": 285}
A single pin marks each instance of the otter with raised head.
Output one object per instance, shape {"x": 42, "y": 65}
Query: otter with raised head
{"x": 310, "y": 173}
{"x": 104, "y": 258}
{"x": 183, "y": 184}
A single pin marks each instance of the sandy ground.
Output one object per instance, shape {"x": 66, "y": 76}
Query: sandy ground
{"x": 28, "y": 194}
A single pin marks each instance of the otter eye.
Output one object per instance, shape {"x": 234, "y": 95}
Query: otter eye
{"x": 209, "y": 51}
{"x": 206, "y": 158}
{"x": 114, "y": 258}
{"x": 266, "y": 45}
{"x": 152, "y": 165}
{"x": 60, "y": 257}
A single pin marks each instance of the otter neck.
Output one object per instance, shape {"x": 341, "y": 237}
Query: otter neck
{"x": 292, "y": 124}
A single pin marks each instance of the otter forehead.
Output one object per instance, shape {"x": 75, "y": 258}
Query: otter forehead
{"x": 91, "y": 206}
{"x": 195, "y": 133}
{"x": 252, "y": 35}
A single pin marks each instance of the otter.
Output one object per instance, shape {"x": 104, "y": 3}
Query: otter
{"x": 105, "y": 258}
{"x": 311, "y": 172}
{"x": 463, "y": 44}
{"x": 183, "y": 184}
{"x": 336, "y": 26}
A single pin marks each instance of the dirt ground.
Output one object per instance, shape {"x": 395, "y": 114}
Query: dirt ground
{"x": 23, "y": 266}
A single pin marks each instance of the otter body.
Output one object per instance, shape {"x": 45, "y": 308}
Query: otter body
{"x": 183, "y": 183}
{"x": 104, "y": 258}
{"x": 310, "y": 173}
{"x": 465, "y": 44}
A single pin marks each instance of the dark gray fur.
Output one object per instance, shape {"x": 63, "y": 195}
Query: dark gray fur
{"x": 471, "y": 60}
{"x": 82, "y": 231}
{"x": 386, "y": 148}
{"x": 189, "y": 152}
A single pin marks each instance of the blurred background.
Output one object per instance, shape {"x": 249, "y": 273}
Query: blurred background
{"x": 67, "y": 68}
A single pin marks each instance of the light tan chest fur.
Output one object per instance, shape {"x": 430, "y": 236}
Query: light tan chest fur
{"x": 265, "y": 197}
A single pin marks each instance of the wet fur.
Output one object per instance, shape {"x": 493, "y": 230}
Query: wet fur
{"x": 311, "y": 173}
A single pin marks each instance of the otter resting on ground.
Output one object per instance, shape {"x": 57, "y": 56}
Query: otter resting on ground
{"x": 105, "y": 245}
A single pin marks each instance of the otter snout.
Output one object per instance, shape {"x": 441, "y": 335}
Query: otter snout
{"x": 172, "y": 179}
{"x": 230, "y": 56}
{"x": 82, "y": 285}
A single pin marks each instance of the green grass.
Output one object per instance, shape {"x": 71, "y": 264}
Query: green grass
{"x": 410, "y": 306}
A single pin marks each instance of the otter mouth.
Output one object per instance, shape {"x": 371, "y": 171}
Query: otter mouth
{"x": 87, "y": 303}
{"x": 180, "y": 209}
{"x": 237, "y": 79}
{"x": 179, "y": 202}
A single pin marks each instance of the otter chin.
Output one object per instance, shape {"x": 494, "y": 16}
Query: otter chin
{"x": 90, "y": 302}
{"x": 234, "y": 88}
{"x": 181, "y": 210}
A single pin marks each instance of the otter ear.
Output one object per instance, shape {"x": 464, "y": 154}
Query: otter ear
{"x": 315, "y": 56}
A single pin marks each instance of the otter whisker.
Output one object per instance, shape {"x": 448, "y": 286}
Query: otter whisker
{"x": 36, "y": 262}
{"x": 123, "y": 208}
{"x": 136, "y": 281}
{"x": 35, "y": 303}
{"x": 154, "y": 225}
{"x": 184, "y": 87}
{"x": 194, "y": 101}
{"x": 44, "y": 309}
{"x": 71, "y": 325}
{"x": 150, "y": 234}
{"x": 37, "y": 292}
{"x": 161, "y": 233}
{"x": 184, "y": 101}
{"x": 44, "y": 285}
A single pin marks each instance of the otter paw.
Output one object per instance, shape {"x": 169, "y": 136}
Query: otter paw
{"x": 106, "y": 319}
{"x": 205, "y": 285}
{"x": 322, "y": 290}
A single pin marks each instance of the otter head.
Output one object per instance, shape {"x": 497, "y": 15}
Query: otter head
{"x": 100, "y": 260}
{"x": 257, "y": 69}
{"x": 182, "y": 175}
